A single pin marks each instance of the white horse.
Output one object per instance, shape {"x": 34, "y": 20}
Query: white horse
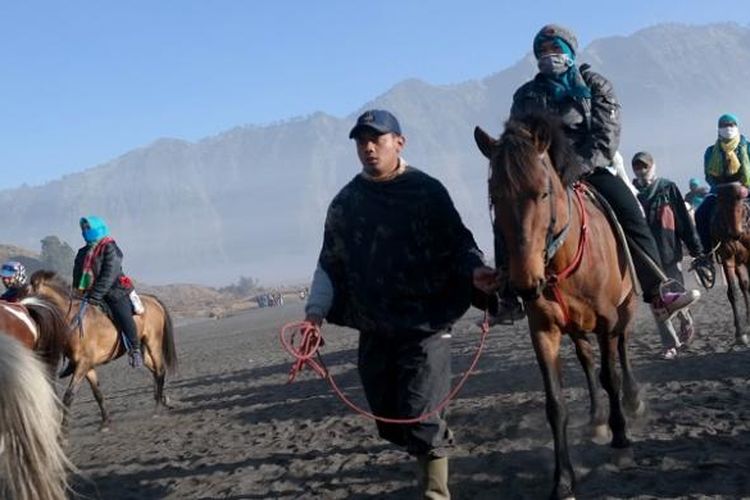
{"x": 33, "y": 464}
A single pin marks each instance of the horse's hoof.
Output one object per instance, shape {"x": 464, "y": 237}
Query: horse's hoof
{"x": 601, "y": 434}
{"x": 104, "y": 428}
{"x": 742, "y": 340}
{"x": 640, "y": 410}
{"x": 623, "y": 458}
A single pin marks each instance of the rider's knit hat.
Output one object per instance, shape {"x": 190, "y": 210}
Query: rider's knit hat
{"x": 557, "y": 33}
{"x": 728, "y": 119}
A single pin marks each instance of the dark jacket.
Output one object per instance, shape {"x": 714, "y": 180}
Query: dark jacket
{"x": 12, "y": 294}
{"x": 668, "y": 219}
{"x": 591, "y": 124}
{"x": 109, "y": 281}
{"x": 398, "y": 255}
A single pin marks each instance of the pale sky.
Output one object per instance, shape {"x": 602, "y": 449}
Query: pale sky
{"x": 83, "y": 82}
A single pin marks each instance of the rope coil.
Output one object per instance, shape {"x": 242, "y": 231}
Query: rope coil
{"x": 309, "y": 341}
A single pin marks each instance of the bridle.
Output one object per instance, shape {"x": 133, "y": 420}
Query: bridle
{"x": 555, "y": 240}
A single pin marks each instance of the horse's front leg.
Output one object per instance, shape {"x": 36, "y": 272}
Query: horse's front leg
{"x": 597, "y": 418}
{"x": 731, "y": 275}
{"x": 94, "y": 383}
{"x": 546, "y": 341}
{"x": 70, "y": 392}
{"x": 744, "y": 283}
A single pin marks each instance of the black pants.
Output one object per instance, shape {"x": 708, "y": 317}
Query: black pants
{"x": 703, "y": 215}
{"x": 122, "y": 312}
{"x": 629, "y": 215}
{"x": 405, "y": 376}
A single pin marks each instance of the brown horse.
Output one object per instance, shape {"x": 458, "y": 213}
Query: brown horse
{"x": 565, "y": 262}
{"x": 731, "y": 234}
{"x": 36, "y": 323}
{"x": 93, "y": 340}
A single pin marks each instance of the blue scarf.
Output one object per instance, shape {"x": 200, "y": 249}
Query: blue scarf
{"x": 568, "y": 85}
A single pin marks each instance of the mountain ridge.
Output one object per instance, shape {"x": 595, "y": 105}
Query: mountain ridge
{"x": 250, "y": 201}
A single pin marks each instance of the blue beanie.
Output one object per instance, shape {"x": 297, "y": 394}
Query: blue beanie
{"x": 728, "y": 118}
{"x": 97, "y": 229}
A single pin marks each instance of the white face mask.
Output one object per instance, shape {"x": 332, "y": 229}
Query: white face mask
{"x": 729, "y": 133}
{"x": 554, "y": 64}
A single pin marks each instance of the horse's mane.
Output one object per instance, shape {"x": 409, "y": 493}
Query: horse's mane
{"x": 519, "y": 146}
{"x": 54, "y": 281}
{"x": 33, "y": 463}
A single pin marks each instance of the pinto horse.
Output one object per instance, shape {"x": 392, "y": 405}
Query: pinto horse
{"x": 93, "y": 340}
{"x": 33, "y": 464}
{"x": 566, "y": 264}
{"x": 37, "y": 324}
{"x": 730, "y": 233}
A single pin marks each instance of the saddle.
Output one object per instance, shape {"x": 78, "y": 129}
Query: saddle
{"x": 599, "y": 200}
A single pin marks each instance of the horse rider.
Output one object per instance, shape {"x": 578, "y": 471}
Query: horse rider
{"x": 726, "y": 160}
{"x": 398, "y": 264}
{"x": 671, "y": 226}
{"x": 586, "y": 104}
{"x": 13, "y": 274}
{"x": 97, "y": 273}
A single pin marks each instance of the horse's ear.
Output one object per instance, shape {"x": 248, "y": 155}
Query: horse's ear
{"x": 485, "y": 143}
{"x": 542, "y": 139}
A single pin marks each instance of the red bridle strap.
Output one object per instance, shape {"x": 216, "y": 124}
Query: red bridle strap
{"x": 554, "y": 279}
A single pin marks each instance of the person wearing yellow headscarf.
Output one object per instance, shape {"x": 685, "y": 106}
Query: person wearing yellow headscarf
{"x": 726, "y": 160}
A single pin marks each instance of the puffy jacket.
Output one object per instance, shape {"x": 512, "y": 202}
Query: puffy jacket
{"x": 668, "y": 219}
{"x": 109, "y": 280}
{"x": 591, "y": 124}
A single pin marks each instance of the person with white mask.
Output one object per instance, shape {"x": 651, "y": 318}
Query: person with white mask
{"x": 671, "y": 225}
{"x": 727, "y": 160}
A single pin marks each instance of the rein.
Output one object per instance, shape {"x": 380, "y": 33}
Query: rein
{"x": 308, "y": 348}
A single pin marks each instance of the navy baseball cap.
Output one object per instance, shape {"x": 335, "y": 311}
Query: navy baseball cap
{"x": 379, "y": 120}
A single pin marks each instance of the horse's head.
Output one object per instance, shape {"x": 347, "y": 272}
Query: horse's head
{"x": 527, "y": 195}
{"x": 49, "y": 284}
{"x": 731, "y": 208}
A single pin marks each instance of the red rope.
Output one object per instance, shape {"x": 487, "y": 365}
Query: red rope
{"x": 311, "y": 340}
{"x": 553, "y": 280}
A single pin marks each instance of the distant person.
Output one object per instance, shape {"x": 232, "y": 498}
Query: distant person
{"x": 586, "y": 104}
{"x": 397, "y": 264}
{"x": 697, "y": 192}
{"x": 726, "y": 160}
{"x": 97, "y": 273}
{"x": 14, "y": 278}
{"x": 671, "y": 225}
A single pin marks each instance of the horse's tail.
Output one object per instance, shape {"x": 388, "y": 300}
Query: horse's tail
{"x": 52, "y": 329}
{"x": 32, "y": 461}
{"x": 168, "y": 349}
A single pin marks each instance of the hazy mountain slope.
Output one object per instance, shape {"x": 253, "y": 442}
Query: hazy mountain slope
{"x": 251, "y": 201}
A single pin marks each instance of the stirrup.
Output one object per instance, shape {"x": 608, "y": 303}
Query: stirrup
{"x": 705, "y": 271}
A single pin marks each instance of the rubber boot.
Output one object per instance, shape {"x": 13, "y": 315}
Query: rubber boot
{"x": 432, "y": 478}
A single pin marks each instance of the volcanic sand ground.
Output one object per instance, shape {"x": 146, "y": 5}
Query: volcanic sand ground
{"x": 238, "y": 430}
